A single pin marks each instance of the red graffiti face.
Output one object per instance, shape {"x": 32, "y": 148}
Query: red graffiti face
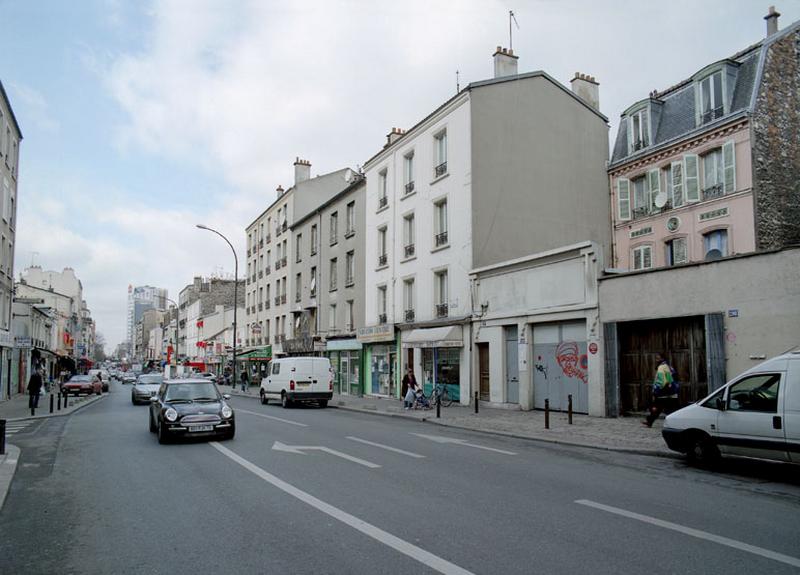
{"x": 572, "y": 363}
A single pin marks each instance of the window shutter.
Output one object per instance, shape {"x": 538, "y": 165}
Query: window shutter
{"x": 654, "y": 181}
{"x": 690, "y": 174}
{"x": 729, "y": 167}
{"x": 679, "y": 252}
{"x": 677, "y": 184}
{"x": 623, "y": 199}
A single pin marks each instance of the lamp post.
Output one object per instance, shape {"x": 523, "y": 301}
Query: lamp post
{"x": 175, "y": 351}
{"x": 235, "y": 294}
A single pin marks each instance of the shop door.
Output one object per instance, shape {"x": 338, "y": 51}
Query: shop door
{"x": 483, "y": 371}
{"x": 392, "y": 386}
{"x": 560, "y": 366}
{"x": 512, "y": 365}
{"x": 344, "y": 370}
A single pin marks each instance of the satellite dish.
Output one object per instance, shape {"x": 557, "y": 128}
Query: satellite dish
{"x": 661, "y": 200}
{"x": 713, "y": 255}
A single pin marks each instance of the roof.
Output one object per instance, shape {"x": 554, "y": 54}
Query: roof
{"x": 359, "y": 180}
{"x": 673, "y": 111}
{"x": 10, "y": 109}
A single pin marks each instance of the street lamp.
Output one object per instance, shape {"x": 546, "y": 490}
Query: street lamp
{"x": 175, "y": 351}
{"x": 235, "y": 294}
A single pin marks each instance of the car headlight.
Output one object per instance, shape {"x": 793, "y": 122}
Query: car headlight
{"x": 171, "y": 414}
{"x": 227, "y": 412}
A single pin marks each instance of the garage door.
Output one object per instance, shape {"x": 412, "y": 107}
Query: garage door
{"x": 560, "y": 366}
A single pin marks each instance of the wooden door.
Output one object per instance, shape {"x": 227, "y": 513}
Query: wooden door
{"x": 483, "y": 371}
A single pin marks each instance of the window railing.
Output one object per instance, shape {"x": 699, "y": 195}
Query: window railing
{"x": 278, "y": 231}
{"x": 314, "y": 250}
{"x": 715, "y": 191}
{"x": 254, "y": 277}
{"x": 639, "y": 144}
{"x": 349, "y": 280}
{"x": 382, "y": 259}
{"x": 333, "y": 239}
{"x": 277, "y": 300}
{"x": 333, "y": 284}
{"x": 283, "y": 298}
{"x": 712, "y": 114}
{"x": 283, "y": 261}
{"x": 261, "y": 307}
{"x": 283, "y": 227}
{"x": 260, "y": 274}
{"x": 440, "y": 170}
{"x": 409, "y": 315}
{"x": 261, "y": 243}
{"x": 409, "y": 250}
{"x": 409, "y": 187}
{"x": 267, "y": 270}
{"x": 441, "y": 309}
{"x": 266, "y": 304}
{"x": 382, "y": 318}
{"x": 441, "y": 239}
{"x": 640, "y": 212}
{"x": 350, "y": 232}
{"x": 277, "y": 265}
{"x": 383, "y": 201}
{"x": 267, "y": 238}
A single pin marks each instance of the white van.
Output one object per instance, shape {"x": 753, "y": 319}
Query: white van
{"x": 756, "y": 414}
{"x": 298, "y": 379}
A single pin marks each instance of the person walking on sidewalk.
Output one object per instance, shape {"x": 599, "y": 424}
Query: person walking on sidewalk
{"x": 665, "y": 390}
{"x": 34, "y": 388}
{"x": 244, "y": 380}
{"x": 409, "y": 388}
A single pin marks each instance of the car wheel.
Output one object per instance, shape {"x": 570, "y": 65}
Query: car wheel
{"x": 133, "y": 400}
{"x": 702, "y": 449}
{"x": 98, "y": 392}
{"x": 285, "y": 402}
{"x": 153, "y": 428}
{"x": 264, "y": 398}
{"x": 323, "y": 403}
{"x": 231, "y": 434}
{"x": 163, "y": 435}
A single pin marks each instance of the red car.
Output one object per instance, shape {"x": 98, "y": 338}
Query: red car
{"x": 79, "y": 384}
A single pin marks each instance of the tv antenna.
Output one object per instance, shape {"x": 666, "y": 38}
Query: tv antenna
{"x": 458, "y": 84}
{"x": 510, "y": 35}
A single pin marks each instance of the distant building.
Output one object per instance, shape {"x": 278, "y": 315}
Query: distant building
{"x": 140, "y": 299}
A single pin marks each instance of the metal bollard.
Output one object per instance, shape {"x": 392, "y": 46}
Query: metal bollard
{"x": 547, "y": 414}
{"x": 438, "y": 406}
{"x": 569, "y": 408}
{"x": 59, "y": 401}
{"x": 2, "y": 436}
{"x": 476, "y": 403}
{"x": 66, "y": 399}
{"x": 52, "y": 400}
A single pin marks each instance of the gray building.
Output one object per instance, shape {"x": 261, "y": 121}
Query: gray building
{"x": 211, "y": 292}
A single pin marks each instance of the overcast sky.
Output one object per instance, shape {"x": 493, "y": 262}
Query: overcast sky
{"x": 141, "y": 119}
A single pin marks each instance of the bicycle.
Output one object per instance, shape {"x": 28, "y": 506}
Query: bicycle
{"x": 441, "y": 394}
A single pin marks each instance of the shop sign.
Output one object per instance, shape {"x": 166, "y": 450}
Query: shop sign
{"x": 343, "y": 345}
{"x": 299, "y": 345}
{"x": 6, "y": 339}
{"x": 375, "y": 333}
{"x": 23, "y": 342}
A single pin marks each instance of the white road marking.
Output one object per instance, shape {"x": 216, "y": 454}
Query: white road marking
{"x": 386, "y": 447}
{"x": 289, "y": 421}
{"x": 789, "y": 560}
{"x": 418, "y": 554}
{"x": 440, "y": 439}
{"x": 278, "y": 446}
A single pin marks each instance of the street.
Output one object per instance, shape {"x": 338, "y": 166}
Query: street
{"x": 308, "y": 490}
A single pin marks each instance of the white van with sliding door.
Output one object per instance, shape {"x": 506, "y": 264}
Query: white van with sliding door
{"x": 756, "y": 414}
{"x": 298, "y": 379}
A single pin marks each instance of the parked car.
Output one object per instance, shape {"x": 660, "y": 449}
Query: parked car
{"x": 145, "y": 387}
{"x": 103, "y": 376}
{"x": 191, "y": 408}
{"x": 128, "y": 377}
{"x": 79, "y": 384}
{"x": 757, "y": 414}
{"x": 298, "y": 379}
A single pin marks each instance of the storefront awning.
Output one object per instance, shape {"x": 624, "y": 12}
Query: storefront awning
{"x": 258, "y": 354}
{"x": 445, "y": 336}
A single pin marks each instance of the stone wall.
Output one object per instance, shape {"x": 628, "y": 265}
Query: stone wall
{"x": 776, "y": 146}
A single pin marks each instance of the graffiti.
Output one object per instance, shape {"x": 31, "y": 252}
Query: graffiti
{"x": 571, "y": 361}
{"x": 540, "y": 366}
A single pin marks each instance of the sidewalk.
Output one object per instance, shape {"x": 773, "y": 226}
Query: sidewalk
{"x": 17, "y": 407}
{"x": 621, "y": 434}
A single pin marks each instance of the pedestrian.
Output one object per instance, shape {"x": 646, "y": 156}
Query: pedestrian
{"x": 409, "y": 388}
{"x": 665, "y": 390}
{"x": 245, "y": 380}
{"x": 34, "y": 389}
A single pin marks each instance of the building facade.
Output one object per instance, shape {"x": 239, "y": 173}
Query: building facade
{"x": 140, "y": 299}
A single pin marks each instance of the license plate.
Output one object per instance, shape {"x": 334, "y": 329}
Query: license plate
{"x": 303, "y": 383}
{"x": 201, "y": 428}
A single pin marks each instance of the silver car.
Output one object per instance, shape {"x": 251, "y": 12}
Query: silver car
{"x": 145, "y": 387}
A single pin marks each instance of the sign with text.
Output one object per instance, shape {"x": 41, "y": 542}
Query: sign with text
{"x": 375, "y": 333}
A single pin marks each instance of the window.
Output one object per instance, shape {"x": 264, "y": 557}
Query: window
{"x": 674, "y": 174}
{"x": 334, "y": 227}
{"x": 269, "y": 259}
{"x": 440, "y": 223}
{"x": 383, "y": 199}
{"x": 440, "y": 160}
{"x": 676, "y": 252}
{"x": 276, "y": 367}
{"x": 408, "y": 235}
{"x": 333, "y": 274}
{"x": 440, "y": 293}
{"x": 332, "y": 317}
{"x": 715, "y": 244}
{"x": 382, "y": 245}
{"x": 755, "y": 393}
{"x": 712, "y": 174}
{"x": 351, "y": 219}
{"x": 711, "y": 98}
{"x": 381, "y": 304}
{"x": 641, "y": 200}
{"x": 312, "y": 288}
{"x": 408, "y": 299}
{"x": 298, "y": 289}
{"x": 408, "y": 172}
{"x": 643, "y": 258}
{"x": 691, "y": 178}
{"x": 639, "y": 130}
{"x": 350, "y": 319}
{"x": 314, "y": 239}
{"x": 298, "y": 243}
{"x": 349, "y": 270}
{"x": 266, "y": 329}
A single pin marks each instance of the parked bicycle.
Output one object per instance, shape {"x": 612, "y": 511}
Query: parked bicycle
{"x": 441, "y": 394}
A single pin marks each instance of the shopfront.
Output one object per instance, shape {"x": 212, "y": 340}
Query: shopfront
{"x": 440, "y": 350}
{"x": 381, "y": 352}
{"x": 346, "y": 356}
{"x": 255, "y": 363}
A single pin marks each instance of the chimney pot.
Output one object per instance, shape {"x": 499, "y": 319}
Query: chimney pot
{"x": 772, "y": 21}
{"x": 302, "y": 170}
{"x": 587, "y": 89}
{"x": 505, "y": 63}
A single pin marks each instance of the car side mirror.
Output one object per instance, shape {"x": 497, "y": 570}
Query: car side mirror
{"x": 226, "y": 396}
{"x": 720, "y": 405}
{"x": 153, "y": 398}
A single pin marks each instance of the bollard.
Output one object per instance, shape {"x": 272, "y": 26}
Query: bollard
{"x": 52, "y": 400}
{"x": 476, "y": 403}
{"x": 66, "y": 398}
{"x": 59, "y": 401}
{"x": 2, "y": 436}
{"x": 438, "y": 406}
{"x": 547, "y": 414}
{"x": 569, "y": 408}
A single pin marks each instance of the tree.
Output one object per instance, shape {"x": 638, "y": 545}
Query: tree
{"x": 99, "y": 347}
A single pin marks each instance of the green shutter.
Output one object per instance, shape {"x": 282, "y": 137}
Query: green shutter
{"x": 623, "y": 199}
{"x": 691, "y": 178}
{"x": 654, "y": 183}
{"x": 729, "y": 167}
{"x": 677, "y": 184}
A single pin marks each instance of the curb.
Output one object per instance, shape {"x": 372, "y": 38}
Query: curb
{"x": 90, "y": 401}
{"x": 8, "y": 466}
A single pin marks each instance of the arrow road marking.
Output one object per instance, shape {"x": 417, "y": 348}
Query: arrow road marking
{"x": 794, "y": 561}
{"x": 298, "y": 449}
{"x": 440, "y": 439}
{"x": 289, "y": 421}
{"x": 401, "y": 545}
{"x": 386, "y": 447}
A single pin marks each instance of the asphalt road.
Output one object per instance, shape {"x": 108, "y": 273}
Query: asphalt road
{"x": 95, "y": 493}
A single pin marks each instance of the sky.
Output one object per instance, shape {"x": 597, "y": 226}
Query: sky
{"x": 143, "y": 118}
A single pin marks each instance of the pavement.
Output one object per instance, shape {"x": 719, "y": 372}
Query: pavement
{"x": 624, "y": 434}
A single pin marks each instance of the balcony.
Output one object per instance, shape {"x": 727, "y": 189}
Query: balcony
{"x": 711, "y": 115}
{"x": 383, "y": 201}
{"x": 267, "y": 270}
{"x": 382, "y": 260}
{"x": 260, "y": 274}
{"x": 409, "y": 188}
{"x": 277, "y": 300}
{"x": 440, "y": 170}
{"x": 349, "y": 281}
{"x": 268, "y": 238}
{"x": 409, "y": 250}
{"x": 283, "y": 261}
{"x": 261, "y": 307}
{"x": 266, "y": 304}
{"x": 253, "y": 278}
{"x": 382, "y": 318}
{"x": 712, "y": 192}
{"x": 409, "y": 315}
{"x": 441, "y": 310}
{"x": 350, "y": 232}
{"x": 283, "y": 298}
{"x": 441, "y": 239}
{"x": 277, "y": 265}
{"x": 283, "y": 227}
{"x": 333, "y": 284}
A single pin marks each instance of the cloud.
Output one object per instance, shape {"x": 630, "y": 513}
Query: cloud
{"x": 33, "y": 105}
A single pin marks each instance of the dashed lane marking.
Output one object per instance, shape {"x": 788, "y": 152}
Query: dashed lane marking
{"x": 272, "y": 417}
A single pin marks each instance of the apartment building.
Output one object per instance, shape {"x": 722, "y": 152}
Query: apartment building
{"x": 704, "y": 192}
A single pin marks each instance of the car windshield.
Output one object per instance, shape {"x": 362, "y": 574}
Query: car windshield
{"x": 150, "y": 379}
{"x": 80, "y": 378}
{"x": 191, "y": 392}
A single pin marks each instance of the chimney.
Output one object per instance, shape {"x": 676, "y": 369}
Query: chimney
{"x": 772, "y": 21}
{"x": 587, "y": 89}
{"x": 505, "y": 63}
{"x": 197, "y": 282}
{"x": 393, "y": 136}
{"x": 279, "y": 190}
{"x": 302, "y": 170}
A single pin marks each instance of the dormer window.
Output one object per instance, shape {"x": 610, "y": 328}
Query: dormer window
{"x": 639, "y": 126}
{"x": 711, "y": 98}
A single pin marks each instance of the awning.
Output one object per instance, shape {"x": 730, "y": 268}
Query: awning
{"x": 445, "y": 336}
{"x": 258, "y": 354}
